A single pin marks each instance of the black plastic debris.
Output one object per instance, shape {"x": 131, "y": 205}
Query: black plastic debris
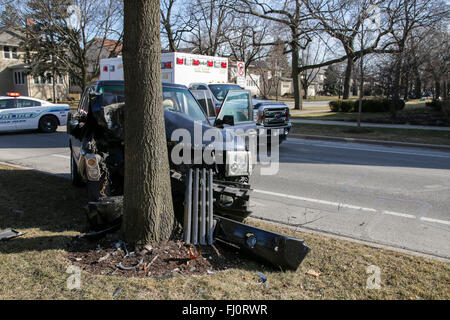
{"x": 275, "y": 249}
{"x": 9, "y": 234}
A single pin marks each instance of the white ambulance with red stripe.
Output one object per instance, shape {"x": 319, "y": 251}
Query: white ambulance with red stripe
{"x": 176, "y": 67}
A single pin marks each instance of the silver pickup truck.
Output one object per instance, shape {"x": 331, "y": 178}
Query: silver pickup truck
{"x": 272, "y": 118}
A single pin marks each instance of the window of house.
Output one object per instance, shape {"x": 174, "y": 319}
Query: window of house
{"x": 60, "y": 79}
{"x": 6, "y": 52}
{"x": 19, "y": 78}
{"x": 14, "y": 53}
{"x": 49, "y": 78}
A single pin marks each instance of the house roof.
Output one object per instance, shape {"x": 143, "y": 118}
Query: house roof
{"x": 10, "y": 37}
{"x": 110, "y": 45}
{"x": 20, "y": 66}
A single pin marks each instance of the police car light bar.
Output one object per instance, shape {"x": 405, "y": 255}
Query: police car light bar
{"x": 13, "y": 94}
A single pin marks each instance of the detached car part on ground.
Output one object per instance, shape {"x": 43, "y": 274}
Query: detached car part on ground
{"x": 97, "y": 159}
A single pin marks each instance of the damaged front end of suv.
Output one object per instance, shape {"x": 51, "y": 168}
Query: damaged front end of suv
{"x": 97, "y": 145}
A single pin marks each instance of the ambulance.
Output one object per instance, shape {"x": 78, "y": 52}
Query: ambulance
{"x": 176, "y": 68}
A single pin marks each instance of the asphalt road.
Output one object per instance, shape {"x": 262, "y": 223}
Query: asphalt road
{"x": 388, "y": 195}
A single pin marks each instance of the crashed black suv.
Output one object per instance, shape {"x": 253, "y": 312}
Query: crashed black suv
{"x": 96, "y": 132}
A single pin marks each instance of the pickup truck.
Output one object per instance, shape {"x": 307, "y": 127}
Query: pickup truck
{"x": 97, "y": 152}
{"x": 272, "y": 118}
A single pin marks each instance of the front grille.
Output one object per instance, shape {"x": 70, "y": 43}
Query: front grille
{"x": 276, "y": 117}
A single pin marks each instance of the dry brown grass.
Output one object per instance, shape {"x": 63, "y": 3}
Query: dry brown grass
{"x": 49, "y": 209}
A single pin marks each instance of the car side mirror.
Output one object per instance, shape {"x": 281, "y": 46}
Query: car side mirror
{"x": 72, "y": 126}
{"x": 228, "y": 119}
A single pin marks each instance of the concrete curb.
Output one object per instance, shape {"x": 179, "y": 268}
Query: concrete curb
{"x": 368, "y": 141}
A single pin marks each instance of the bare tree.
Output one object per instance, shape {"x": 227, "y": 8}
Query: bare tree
{"x": 84, "y": 21}
{"x": 414, "y": 14}
{"x": 244, "y": 39}
{"x": 174, "y": 25}
{"x": 211, "y": 20}
{"x": 288, "y": 14}
{"x": 148, "y": 208}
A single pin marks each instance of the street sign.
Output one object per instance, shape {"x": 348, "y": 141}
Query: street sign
{"x": 240, "y": 74}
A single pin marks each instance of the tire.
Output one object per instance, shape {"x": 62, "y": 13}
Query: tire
{"x": 75, "y": 177}
{"x": 48, "y": 124}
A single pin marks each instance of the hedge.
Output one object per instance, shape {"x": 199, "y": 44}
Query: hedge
{"x": 373, "y": 105}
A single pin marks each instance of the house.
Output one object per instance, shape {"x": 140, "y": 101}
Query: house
{"x": 15, "y": 74}
{"x": 98, "y": 49}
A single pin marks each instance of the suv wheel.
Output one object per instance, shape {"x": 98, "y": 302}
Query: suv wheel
{"x": 48, "y": 124}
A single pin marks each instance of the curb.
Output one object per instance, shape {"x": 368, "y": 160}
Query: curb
{"x": 376, "y": 142}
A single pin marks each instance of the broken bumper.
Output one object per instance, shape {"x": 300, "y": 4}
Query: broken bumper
{"x": 280, "y": 251}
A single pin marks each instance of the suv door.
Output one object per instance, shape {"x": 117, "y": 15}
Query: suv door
{"x": 7, "y": 110}
{"x": 238, "y": 104}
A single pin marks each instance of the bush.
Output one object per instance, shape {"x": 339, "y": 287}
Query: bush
{"x": 335, "y": 106}
{"x": 435, "y": 104}
{"x": 347, "y": 105}
{"x": 398, "y": 105}
{"x": 373, "y": 105}
{"x": 446, "y": 108}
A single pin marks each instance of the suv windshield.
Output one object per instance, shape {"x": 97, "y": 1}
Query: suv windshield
{"x": 174, "y": 99}
{"x": 220, "y": 91}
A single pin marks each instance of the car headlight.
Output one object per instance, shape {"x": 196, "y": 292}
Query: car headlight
{"x": 238, "y": 163}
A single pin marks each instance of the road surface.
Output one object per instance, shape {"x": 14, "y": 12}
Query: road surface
{"x": 388, "y": 195}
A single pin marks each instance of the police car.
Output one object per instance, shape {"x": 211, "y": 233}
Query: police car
{"x": 25, "y": 113}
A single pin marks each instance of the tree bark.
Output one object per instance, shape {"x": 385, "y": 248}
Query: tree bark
{"x": 296, "y": 76}
{"x": 348, "y": 78}
{"x": 148, "y": 208}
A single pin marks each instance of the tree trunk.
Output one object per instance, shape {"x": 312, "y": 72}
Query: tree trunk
{"x": 54, "y": 85}
{"x": 418, "y": 85}
{"x": 348, "y": 78}
{"x": 296, "y": 77}
{"x": 148, "y": 208}
{"x": 438, "y": 89}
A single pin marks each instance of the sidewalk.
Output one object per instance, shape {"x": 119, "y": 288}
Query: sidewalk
{"x": 370, "y": 125}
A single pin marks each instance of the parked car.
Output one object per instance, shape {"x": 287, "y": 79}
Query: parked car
{"x": 19, "y": 113}
{"x": 97, "y": 151}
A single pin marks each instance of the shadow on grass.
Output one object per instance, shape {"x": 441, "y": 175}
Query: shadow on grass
{"x": 33, "y": 200}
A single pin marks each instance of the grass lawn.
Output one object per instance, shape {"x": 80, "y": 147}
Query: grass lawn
{"x": 415, "y": 112}
{"x": 50, "y": 211}
{"x": 388, "y": 134}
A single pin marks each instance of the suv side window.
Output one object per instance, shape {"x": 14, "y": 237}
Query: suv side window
{"x": 83, "y": 106}
{"x": 7, "y": 104}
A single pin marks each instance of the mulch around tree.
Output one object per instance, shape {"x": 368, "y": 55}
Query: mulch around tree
{"x": 111, "y": 256}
